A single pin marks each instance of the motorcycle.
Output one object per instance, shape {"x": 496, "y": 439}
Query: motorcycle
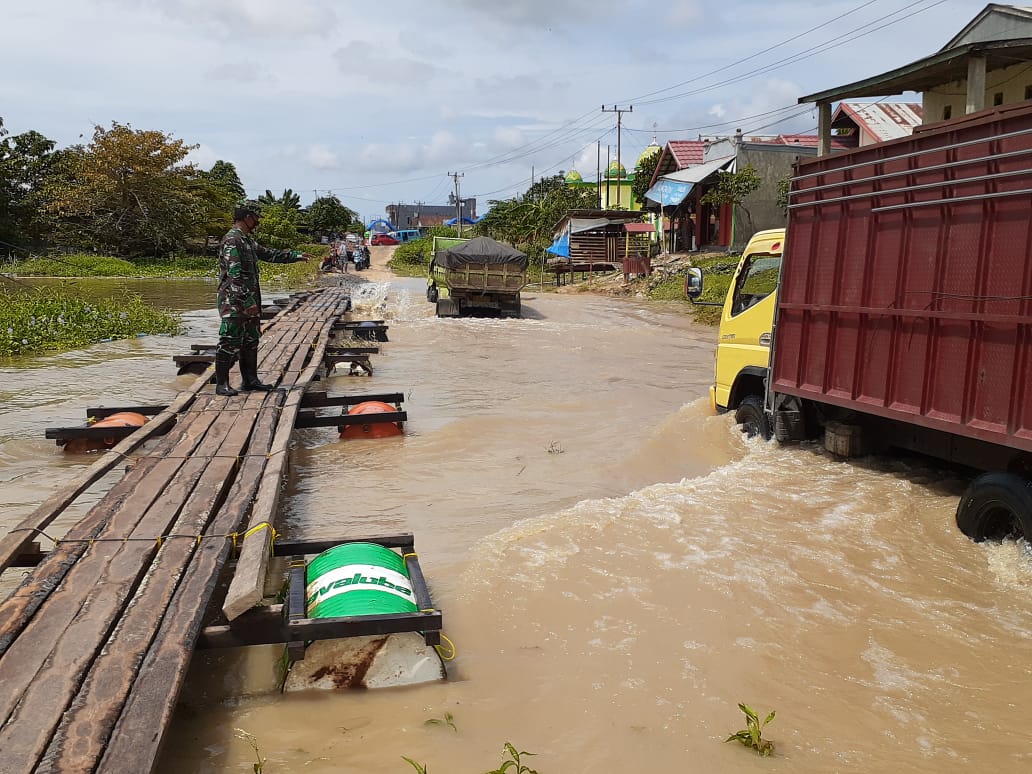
{"x": 360, "y": 257}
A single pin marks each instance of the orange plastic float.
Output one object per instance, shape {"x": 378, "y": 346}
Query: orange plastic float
{"x": 373, "y": 429}
{"x": 121, "y": 419}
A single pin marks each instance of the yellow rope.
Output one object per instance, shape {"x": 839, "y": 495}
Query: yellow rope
{"x": 440, "y": 651}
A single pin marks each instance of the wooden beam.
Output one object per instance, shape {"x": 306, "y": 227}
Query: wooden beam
{"x": 24, "y": 533}
{"x": 246, "y": 588}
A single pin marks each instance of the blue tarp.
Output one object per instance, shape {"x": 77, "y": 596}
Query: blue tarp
{"x": 668, "y": 192}
{"x": 560, "y": 246}
{"x": 381, "y": 226}
{"x": 465, "y": 220}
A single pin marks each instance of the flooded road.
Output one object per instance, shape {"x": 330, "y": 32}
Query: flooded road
{"x": 617, "y": 568}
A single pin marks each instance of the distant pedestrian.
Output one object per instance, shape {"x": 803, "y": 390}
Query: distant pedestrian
{"x": 240, "y": 300}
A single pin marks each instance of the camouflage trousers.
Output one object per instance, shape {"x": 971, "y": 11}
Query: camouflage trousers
{"x": 237, "y": 333}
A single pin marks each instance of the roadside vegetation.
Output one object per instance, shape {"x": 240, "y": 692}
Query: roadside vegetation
{"x": 40, "y": 320}
{"x": 186, "y": 266}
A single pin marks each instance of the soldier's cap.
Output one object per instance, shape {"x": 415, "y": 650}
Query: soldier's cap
{"x": 244, "y": 210}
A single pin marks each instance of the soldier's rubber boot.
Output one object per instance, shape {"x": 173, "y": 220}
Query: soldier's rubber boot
{"x": 249, "y": 370}
{"x": 223, "y": 363}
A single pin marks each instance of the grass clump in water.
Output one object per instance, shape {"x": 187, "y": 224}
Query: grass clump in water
{"x": 48, "y": 319}
{"x": 752, "y": 734}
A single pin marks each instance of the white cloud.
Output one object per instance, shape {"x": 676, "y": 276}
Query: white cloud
{"x": 321, "y": 157}
{"x": 202, "y": 156}
{"x": 684, "y": 12}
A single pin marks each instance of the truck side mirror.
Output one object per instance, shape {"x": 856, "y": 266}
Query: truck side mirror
{"x": 693, "y": 283}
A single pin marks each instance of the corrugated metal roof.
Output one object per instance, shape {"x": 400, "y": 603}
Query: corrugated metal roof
{"x": 884, "y": 120}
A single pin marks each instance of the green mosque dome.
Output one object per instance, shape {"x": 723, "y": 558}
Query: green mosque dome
{"x": 650, "y": 150}
{"x": 573, "y": 176}
{"x": 616, "y": 169}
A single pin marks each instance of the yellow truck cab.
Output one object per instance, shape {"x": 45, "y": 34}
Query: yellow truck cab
{"x": 745, "y": 333}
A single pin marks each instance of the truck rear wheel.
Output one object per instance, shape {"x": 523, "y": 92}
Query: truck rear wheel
{"x": 431, "y": 294}
{"x": 996, "y": 506}
{"x": 753, "y": 419}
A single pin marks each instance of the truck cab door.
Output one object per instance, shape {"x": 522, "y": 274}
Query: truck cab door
{"x": 746, "y": 323}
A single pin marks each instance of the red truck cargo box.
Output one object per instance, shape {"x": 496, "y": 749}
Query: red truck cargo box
{"x": 906, "y": 287}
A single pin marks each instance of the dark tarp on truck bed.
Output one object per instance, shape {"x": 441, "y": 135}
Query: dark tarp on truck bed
{"x": 480, "y": 250}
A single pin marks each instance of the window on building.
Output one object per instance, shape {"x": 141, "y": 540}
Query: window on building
{"x": 997, "y": 98}
{"x": 1028, "y": 92}
{"x": 947, "y": 112}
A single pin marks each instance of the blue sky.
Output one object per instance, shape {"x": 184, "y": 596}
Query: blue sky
{"x": 379, "y": 102}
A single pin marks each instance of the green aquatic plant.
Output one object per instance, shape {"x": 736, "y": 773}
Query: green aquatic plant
{"x": 514, "y": 762}
{"x": 447, "y": 720}
{"x": 752, "y": 734}
{"x": 50, "y": 319}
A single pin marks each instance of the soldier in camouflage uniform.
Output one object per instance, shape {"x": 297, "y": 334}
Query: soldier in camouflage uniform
{"x": 240, "y": 300}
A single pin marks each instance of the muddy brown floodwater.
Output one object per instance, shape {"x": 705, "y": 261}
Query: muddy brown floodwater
{"x": 617, "y": 567}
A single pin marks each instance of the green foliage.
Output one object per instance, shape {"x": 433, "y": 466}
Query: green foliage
{"x": 288, "y": 199}
{"x": 447, "y": 720}
{"x": 279, "y": 226}
{"x": 412, "y": 259}
{"x": 420, "y": 767}
{"x": 784, "y": 186}
{"x": 26, "y": 161}
{"x": 327, "y": 215}
{"x": 751, "y": 735}
{"x": 514, "y": 762}
{"x": 221, "y": 188}
{"x": 130, "y": 192}
{"x": 528, "y": 221}
{"x": 92, "y": 265}
{"x": 48, "y": 319}
{"x": 224, "y": 176}
{"x": 643, "y": 175}
{"x": 733, "y": 187}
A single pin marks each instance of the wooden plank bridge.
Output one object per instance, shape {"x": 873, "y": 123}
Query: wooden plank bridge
{"x": 96, "y": 640}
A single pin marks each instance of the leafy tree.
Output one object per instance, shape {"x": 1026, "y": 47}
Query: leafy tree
{"x": 224, "y": 175}
{"x": 287, "y": 199}
{"x": 26, "y": 162}
{"x": 130, "y": 191}
{"x": 279, "y": 226}
{"x": 527, "y": 221}
{"x": 326, "y": 215}
{"x": 733, "y": 188}
{"x": 643, "y": 175}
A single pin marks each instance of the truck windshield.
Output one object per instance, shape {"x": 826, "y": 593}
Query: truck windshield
{"x": 757, "y": 280}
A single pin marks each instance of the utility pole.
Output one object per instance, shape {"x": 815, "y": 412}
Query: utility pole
{"x": 619, "y": 121}
{"x": 458, "y": 199}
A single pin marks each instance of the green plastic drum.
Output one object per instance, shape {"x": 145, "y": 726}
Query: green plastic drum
{"x": 358, "y": 579}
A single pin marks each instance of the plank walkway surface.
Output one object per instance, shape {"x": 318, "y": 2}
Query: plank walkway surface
{"x": 96, "y": 640}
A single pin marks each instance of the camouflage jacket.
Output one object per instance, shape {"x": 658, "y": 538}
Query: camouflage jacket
{"x": 238, "y": 271}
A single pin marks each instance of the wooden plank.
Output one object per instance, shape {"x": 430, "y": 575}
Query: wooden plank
{"x": 146, "y": 479}
{"x": 97, "y": 705}
{"x": 100, "y": 412}
{"x": 152, "y": 699}
{"x": 12, "y": 544}
{"x": 312, "y": 547}
{"x": 321, "y": 400}
{"x": 346, "y": 420}
{"x": 45, "y": 666}
{"x": 245, "y": 590}
{"x": 266, "y": 626}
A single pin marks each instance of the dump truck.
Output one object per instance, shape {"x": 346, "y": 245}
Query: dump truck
{"x": 895, "y": 312}
{"x": 475, "y": 275}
